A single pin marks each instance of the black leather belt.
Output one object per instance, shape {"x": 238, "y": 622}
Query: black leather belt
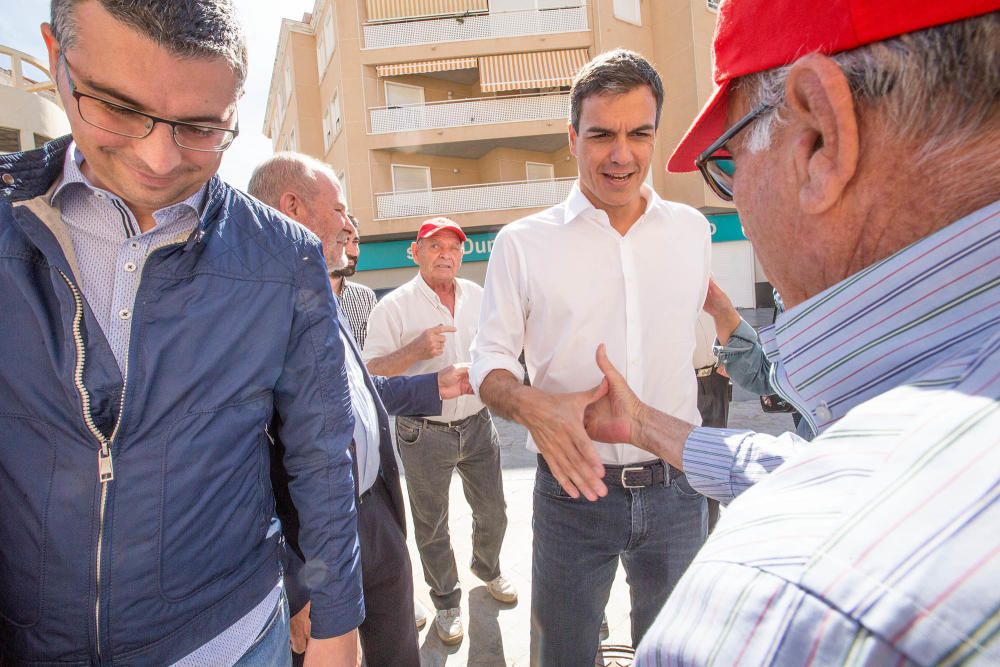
{"x": 705, "y": 371}
{"x": 652, "y": 473}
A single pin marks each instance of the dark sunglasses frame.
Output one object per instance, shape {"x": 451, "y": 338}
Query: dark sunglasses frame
{"x": 232, "y": 132}
{"x": 708, "y": 155}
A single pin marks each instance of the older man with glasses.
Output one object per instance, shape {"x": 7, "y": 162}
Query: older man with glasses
{"x": 155, "y": 321}
{"x": 859, "y": 142}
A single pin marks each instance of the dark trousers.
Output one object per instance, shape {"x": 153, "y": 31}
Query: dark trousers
{"x": 389, "y": 631}
{"x": 713, "y": 404}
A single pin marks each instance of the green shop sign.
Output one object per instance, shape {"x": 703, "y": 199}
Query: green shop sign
{"x": 396, "y": 254}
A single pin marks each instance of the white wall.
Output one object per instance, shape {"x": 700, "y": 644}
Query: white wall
{"x": 733, "y": 270}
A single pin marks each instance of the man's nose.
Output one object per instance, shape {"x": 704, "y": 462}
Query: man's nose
{"x": 158, "y": 151}
{"x": 621, "y": 152}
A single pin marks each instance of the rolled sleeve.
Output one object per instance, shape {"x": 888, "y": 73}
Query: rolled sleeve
{"x": 500, "y": 338}
{"x": 744, "y": 359}
{"x": 313, "y": 401}
{"x": 722, "y": 463}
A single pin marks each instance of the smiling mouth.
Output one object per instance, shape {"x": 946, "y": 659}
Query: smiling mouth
{"x": 619, "y": 178}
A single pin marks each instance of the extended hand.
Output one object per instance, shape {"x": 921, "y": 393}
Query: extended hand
{"x": 556, "y": 425}
{"x": 430, "y": 342}
{"x": 453, "y": 381}
{"x": 615, "y": 416}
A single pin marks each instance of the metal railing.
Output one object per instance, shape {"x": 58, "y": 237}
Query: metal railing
{"x": 469, "y": 111}
{"x": 475, "y": 26}
{"x": 472, "y": 198}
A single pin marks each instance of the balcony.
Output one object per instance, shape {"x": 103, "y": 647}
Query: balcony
{"x": 472, "y": 198}
{"x": 465, "y": 112}
{"x": 481, "y": 26}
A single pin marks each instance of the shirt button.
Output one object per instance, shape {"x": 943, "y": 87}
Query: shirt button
{"x": 134, "y": 245}
{"x": 99, "y": 195}
{"x": 823, "y": 412}
{"x": 130, "y": 266}
{"x": 125, "y": 313}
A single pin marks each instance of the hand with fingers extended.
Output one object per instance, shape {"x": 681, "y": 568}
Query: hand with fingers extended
{"x": 615, "y": 416}
{"x": 453, "y": 381}
{"x": 556, "y": 425}
{"x": 430, "y": 342}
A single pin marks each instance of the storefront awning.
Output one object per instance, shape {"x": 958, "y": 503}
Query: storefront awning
{"x": 427, "y": 66}
{"x": 391, "y": 10}
{"x": 543, "y": 69}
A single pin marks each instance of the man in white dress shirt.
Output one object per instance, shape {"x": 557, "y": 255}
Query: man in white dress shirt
{"x": 612, "y": 264}
{"x": 424, "y": 325}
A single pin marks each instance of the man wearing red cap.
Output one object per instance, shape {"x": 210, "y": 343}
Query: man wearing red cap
{"x": 859, "y": 140}
{"x": 594, "y": 269}
{"x": 420, "y": 327}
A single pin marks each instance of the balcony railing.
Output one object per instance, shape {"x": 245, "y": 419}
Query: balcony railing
{"x": 472, "y": 198}
{"x": 477, "y": 26}
{"x": 465, "y": 112}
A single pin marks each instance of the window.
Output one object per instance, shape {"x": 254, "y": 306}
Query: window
{"x": 10, "y": 140}
{"x": 629, "y": 11}
{"x": 327, "y": 130}
{"x": 41, "y": 139}
{"x": 399, "y": 94}
{"x": 342, "y": 177}
{"x": 326, "y": 41}
{"x": 336, "y": 120}
{"x": 289, "y": 80}
{"x": 279, "y": 106}
{"x": 539, "y": 171}
{"x": 406, "y": 178}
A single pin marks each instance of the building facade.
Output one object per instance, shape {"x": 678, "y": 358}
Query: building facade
{"x": 460, "y": 108}
{"x": 30, "y": 112}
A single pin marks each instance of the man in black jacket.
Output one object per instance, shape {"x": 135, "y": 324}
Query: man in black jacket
{"x": 307, "y": 191}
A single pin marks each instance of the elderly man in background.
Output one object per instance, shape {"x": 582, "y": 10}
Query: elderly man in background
{"x": 589, "y": 270}
{"x": 309, "y": 192}
{"x": 859, "y": 143}
{"x": 425, "y": 323}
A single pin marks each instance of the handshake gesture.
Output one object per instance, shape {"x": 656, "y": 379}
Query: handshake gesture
{"x": 563, "y": 427}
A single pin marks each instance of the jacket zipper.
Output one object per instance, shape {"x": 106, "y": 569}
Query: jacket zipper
{"x": 105, "y": 465}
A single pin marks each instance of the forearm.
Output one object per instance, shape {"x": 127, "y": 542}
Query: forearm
{"x": 508, "y": 397}
{"x": 343, "y": 650}
{"x": 725, "y": 324}
{"x": 392, "y": 364}
{"x": 662, "y": 435}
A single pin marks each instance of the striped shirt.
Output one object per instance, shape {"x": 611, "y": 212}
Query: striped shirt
{"x": 357, "y": 302}
{"x": 878, "y": 543}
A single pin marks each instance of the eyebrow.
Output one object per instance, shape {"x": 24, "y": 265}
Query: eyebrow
{"x": 605, "y": 130}
{"x": 137, "y": 106}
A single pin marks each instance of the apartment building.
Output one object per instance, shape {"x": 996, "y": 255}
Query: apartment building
{"x": 30, "y": 112}
{"x": 460, "y": 108}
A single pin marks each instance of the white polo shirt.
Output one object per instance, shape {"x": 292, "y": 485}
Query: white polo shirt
{"x": 412, "y": 308}
{"x": 562, "y": 281}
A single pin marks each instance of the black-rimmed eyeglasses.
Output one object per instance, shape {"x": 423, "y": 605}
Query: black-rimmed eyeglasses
{"x": 716, "y": 163}
{"x": 127, "y": 122}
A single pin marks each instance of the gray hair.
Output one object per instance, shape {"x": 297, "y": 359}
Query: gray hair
{"x": 613, "y": 73}
{"x": 937, "y": 89}
{"x": 288, "y": 171}
{"x": 186, "y": 28}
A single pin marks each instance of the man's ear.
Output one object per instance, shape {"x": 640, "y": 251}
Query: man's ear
{"x": 822, "y": 130}
{"x": 291, "y": 205}
{"x": 52, "y": 47}
{"x": 572, "y": 138}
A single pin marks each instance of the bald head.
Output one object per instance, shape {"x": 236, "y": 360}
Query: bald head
{"x": 307, "y": 191}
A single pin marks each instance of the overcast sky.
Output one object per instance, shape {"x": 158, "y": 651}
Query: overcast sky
{"x": 262, "y": 18}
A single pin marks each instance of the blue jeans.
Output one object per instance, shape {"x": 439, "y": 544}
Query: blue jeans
{"x": 655, "y": 532}
{"x": 273, "y": 647}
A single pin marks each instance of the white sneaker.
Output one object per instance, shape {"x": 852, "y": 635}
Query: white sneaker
{"x": 420, "y": 614}
{"x": 502, "y": 590}
{"x": 449, "y": 626}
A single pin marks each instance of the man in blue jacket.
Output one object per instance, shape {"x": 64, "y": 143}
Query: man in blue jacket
{"x": 155, "y": 321}
{"x": 308, "y": 191}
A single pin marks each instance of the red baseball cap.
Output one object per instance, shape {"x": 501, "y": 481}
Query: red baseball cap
{"x": 757, "y": 35}
{"x": 435, "y": 225}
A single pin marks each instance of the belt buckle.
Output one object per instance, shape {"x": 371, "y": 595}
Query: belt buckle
{"x": 625, "y": 471}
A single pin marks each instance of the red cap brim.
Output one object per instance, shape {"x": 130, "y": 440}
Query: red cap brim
{"x": 707, "y": 127}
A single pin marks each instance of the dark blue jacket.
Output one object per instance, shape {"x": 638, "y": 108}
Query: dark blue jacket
{"x": 231, "y": 327}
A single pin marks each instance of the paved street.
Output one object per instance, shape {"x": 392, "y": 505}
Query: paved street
{"x": 497, "y": 634}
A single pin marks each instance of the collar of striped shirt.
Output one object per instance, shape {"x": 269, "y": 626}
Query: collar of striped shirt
{"x": 889, "y": 322}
